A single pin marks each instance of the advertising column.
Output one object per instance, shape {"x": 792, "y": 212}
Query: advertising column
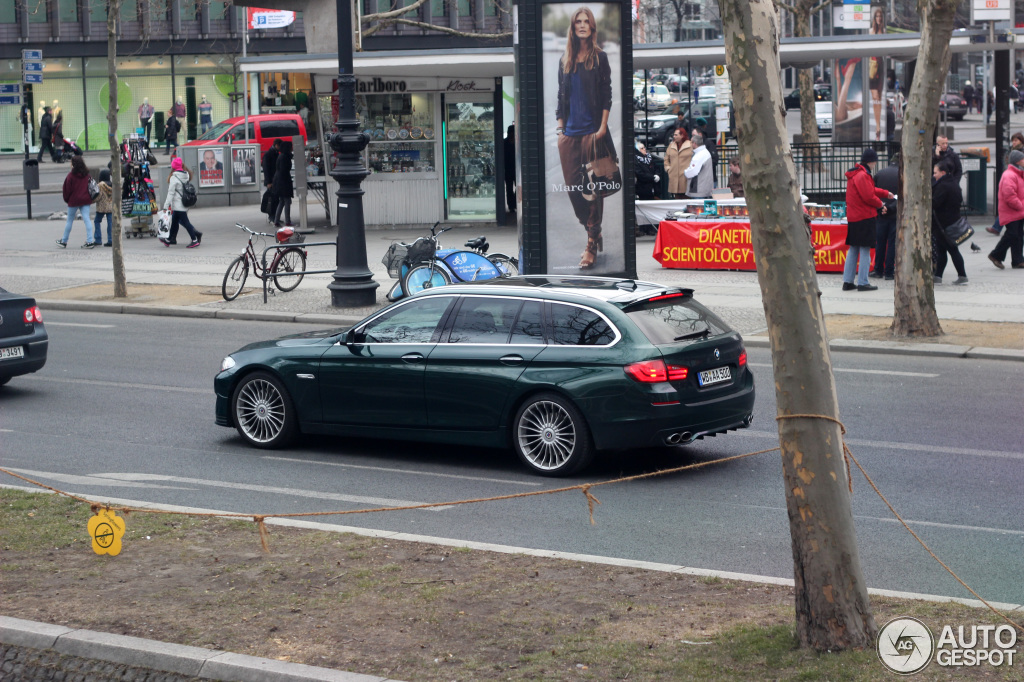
{"x": 584, "y": 201}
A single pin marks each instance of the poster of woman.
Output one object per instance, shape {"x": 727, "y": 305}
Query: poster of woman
{"x": 877, "y": 79}
{"x": 583, "y": 136}
{"x": 849, "y": 106}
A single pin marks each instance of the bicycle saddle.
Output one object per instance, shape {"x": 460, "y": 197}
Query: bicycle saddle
{"x": 478, "y": 243}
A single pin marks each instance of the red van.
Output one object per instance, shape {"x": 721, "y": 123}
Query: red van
{"x": 263, "y": 129}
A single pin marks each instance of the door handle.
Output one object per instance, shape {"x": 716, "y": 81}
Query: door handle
{"x": 412, "y": 357}
{"x": 511, "y": 359}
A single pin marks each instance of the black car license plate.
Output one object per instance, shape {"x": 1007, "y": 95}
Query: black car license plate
{"x": 12, "y": 352}
{"x": 714, "y": 376}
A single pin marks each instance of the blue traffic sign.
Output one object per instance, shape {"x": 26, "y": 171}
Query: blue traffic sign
{"x": 10, "y": 88}
{"x": 10, "y": 99}
{"x": 32, "y": 78}
{"x": 32, "y": 54}
{"x": 36, "y": 67}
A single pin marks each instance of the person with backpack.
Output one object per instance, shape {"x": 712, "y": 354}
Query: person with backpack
{"x": 78, "y": 198}
{"x": 181, "y": 194}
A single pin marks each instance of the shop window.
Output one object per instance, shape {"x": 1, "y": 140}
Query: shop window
{"x": 401, "y": 130}
{"x": 36, "y": 11}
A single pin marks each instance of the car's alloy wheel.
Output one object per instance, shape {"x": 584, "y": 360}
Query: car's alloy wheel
{"x": 263, "y": 411}
{"x": 551, "y": 436}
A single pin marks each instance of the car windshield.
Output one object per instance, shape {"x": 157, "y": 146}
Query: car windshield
{"x": 660, "y": 90}
{"x": 216, "y": 131}
{"x": 673, "y": 320}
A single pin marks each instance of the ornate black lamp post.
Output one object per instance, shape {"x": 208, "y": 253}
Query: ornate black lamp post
{"x": 353, "y": 284}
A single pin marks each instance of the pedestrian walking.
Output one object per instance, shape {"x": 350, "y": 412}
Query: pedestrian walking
{"x": 678, "y": 155}
{"x": 179, "y": 212}
{"x": 1011, "y": 213}
{"x": 1016, "y": 143}
{"x": 509, "y": 150}
{"x": 863, "y": 202}
{"x": 78, "y": 199}
{"x": 968, "y": 95}
{"x": 46, "y": 135}
{"x": 171, "y": 129}
{"x": 58, "y": 138}
{"x": 104, "y": 208}
{"x": 946, "y": 200}
{"x": 283, "y": 187}
{"x": 700, "y": 171}
{"x": 885, "y": 228}
{"x": 269, "y": 169}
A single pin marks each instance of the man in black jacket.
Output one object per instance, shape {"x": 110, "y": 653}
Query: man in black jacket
{"x": 171, "y": 133}
{"x": 269, "y": 168}
{"x": 944, "y": 151}
{"x": 885, "y": 227}
{"x": 45, "y": 133}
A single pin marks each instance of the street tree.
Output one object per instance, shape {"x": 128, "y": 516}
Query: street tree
{"x": 914, "y": 305}
{"x": 120, "y": 281}
{"x": 832, "y": 608}
{"x": 801, "y": 12}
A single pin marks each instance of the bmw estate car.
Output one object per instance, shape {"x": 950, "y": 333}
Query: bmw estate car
{"x": 552, "y": 367}
{"x": 23, "y": 338}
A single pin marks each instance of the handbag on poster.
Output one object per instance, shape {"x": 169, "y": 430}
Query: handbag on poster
{"x": 601, "y": 176}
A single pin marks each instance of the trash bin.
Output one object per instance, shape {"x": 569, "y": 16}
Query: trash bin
{"x": 30, "y": 174}
{"x": 975, "y": 165}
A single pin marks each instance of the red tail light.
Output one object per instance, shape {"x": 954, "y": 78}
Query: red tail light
{"x": 655, "y": 372}
{"x": 33, "y": 314}
{"x": 743, "y": 358}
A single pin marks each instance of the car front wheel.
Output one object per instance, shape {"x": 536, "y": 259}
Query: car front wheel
{"x": 550, "y": 436}
{"x": 263, "y": 411}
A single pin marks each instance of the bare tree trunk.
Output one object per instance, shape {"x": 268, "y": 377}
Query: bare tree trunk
{"x": 113, "y": 13}
{"x": 914, "y": 313}
{"x": 808, "y": 120}
{"x": 832, "y": 607}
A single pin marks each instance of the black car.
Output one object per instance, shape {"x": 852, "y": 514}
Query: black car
{"x": 954, "y": 106}
{"x": 23, "y": 338}
{"x": 822, "y": 93}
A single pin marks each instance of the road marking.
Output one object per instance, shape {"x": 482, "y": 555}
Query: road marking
{"x": 862, "y": 371}
{"x": 527, "y": 551}
{"x": 298, "y": 492}
{"x": 405, "y": 471}
{"x": 907, "y": 447}
{"x": 80, "y": 324}
{"x": 72, "y": 479}
{"x": 120, "y": 384}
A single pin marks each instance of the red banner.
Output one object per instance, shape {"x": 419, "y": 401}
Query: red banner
{"x": 711, "y": 245}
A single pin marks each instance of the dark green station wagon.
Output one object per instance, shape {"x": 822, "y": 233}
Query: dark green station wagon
{"x": 555, "y": 367}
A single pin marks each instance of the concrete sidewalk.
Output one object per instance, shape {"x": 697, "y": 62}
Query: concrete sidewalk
{"x": 32, "y": 263}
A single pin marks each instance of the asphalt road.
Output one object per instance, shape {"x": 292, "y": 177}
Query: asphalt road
{"x": 124, "y": 408}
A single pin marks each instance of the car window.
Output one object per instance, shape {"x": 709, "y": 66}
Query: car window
{"x": 414, "y": 322}
{"x": 238, "y": 133}
{"x": 665, "y": 321}
{"x": 215, "y": 132}
{"x": 529, "y": 327}
{"x": 283, "y": 128}
{"x": 575, "y": 326}
{"x": 484, "y": 320}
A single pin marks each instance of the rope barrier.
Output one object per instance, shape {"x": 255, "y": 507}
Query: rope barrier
{"x": 259, "y": 519}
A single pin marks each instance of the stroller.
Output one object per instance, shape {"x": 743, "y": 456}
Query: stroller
{"x": 68, "y": 150}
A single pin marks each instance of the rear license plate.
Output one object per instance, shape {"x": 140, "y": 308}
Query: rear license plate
{"x": 714, "y": 376}
{"x": 12, "y": 352}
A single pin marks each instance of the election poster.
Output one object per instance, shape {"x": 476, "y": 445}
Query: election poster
{"x": 243, "y": 165}
{"x": 211, "y": 168}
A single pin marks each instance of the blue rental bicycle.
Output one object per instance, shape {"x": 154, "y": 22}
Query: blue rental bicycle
{"x": 423, "y": 264}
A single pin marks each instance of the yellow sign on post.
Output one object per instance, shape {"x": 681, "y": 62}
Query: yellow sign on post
{"x": 106, "y": 529}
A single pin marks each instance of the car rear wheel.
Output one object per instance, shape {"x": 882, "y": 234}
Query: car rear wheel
{"x": 263, "y": 411}
{"x": 550, "y": 436}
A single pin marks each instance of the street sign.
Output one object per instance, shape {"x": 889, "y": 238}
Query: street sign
{"x": 10, "y": 99}
{"x": 32, "y": 55}
{"x": 32, "y": 67}
{"x": 32, "y": 78}
{"x": 10, "y": 88}
{"x": 991, "y": 10}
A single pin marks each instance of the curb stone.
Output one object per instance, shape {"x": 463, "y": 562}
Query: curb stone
{"x": 192, "y": 661}
{"x": 899, "y": 348}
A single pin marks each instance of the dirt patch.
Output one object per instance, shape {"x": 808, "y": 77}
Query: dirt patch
{"x": 957, "y": 332}
{"x": 412, "y": 611}
{"x": 144, "y": 294}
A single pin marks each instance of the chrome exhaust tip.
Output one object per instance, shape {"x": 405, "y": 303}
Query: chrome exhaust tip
{"x": 684, "y": 437}
{"x": 673, "y": 439}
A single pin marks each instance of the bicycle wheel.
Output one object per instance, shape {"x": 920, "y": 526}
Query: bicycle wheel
{"x": 509, "y": 266}
{"x": 234, "y": 278}
{"x": 422, "y": 277}
{"x": 291, "y": 260}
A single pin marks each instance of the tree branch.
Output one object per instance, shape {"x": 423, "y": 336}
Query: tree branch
{"x": 445, "y": 29}
{"x": 782, "y": 5}
{"x": 383, "y": 16}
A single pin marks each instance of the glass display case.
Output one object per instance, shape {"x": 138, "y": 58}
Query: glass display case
{"x": 401, "y": 130}
{"x": 469, "y": 160}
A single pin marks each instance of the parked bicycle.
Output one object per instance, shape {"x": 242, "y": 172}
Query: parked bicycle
{"x": 424, "y": 264}
{"x": 287, "y": 268}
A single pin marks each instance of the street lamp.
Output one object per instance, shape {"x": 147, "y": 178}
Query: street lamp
{"x": 353, "y": 284}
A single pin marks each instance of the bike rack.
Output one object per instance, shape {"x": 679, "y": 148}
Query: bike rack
{"x": 301, "y": 245}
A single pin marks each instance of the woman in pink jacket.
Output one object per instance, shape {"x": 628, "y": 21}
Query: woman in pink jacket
{"x": 1011, "y": 213}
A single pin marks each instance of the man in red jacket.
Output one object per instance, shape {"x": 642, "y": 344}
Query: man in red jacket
{"x": 863, "y": 203}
